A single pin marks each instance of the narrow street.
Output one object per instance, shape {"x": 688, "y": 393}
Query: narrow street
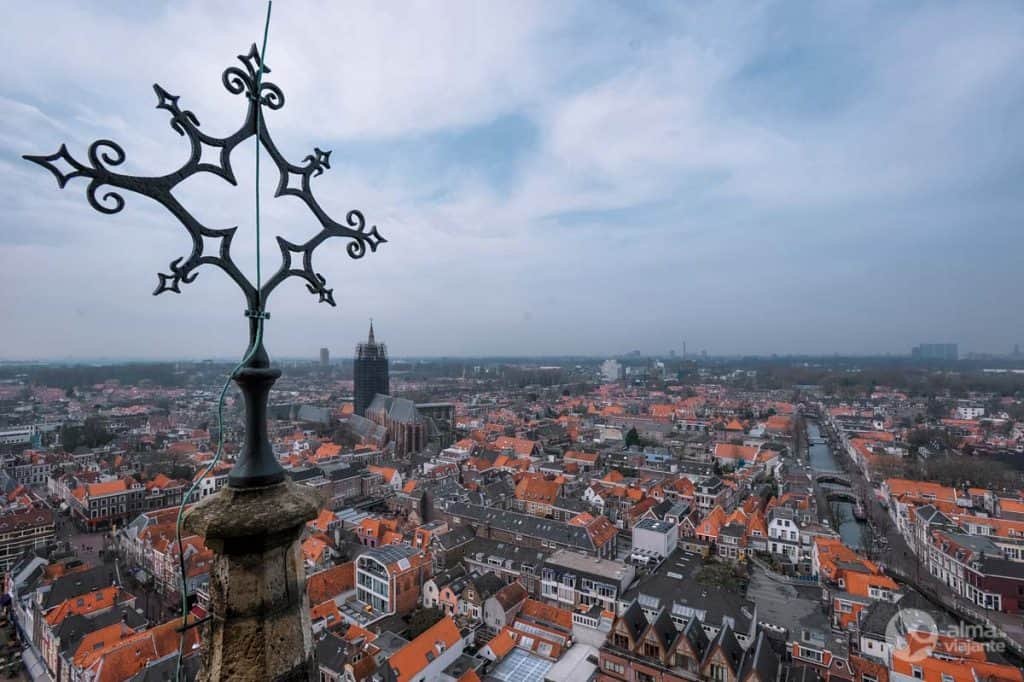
{"x": 897, "y": 557}
{"x": 89, "y": 548}
{"x": 8, "y": 644}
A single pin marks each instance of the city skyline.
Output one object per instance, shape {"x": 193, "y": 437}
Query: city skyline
{"x": 653, "y": 354}
{"x": 581, "y": 179}
{"x": 683, "y": 348}
{"x": 323, "y": 355}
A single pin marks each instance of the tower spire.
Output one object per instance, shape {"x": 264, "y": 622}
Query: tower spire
{"x": 370, "y": 339}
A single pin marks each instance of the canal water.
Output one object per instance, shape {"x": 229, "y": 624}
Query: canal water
{"x": 822, "y": 460}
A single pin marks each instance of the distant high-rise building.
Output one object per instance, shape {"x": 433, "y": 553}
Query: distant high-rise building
{"x": 325, "y": 358}
{"x": 611, "y": 371}
{"x": 936, "y": 351}
{"x": 370, "y": 371}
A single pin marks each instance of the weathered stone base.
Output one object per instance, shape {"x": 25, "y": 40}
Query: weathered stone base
{"x": 260, "y": 628}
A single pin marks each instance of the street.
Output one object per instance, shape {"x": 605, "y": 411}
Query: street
{"x": 898, "y": 558}
{"x": 86, "y": 545}
{"x": 89, "y": 547}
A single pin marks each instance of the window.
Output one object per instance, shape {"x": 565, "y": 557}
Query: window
{"x": 917, "y": 672}
{"x": 613, "y": 667}
{"x": 685, "y": 662}
{"x": 719, "y": 673}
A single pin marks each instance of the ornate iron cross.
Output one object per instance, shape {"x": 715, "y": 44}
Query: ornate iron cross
{"x": 256, "y": 465}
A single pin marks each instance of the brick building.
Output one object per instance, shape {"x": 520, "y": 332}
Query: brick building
{"x": 406, "y": 427}
{"x": 21, "y": 530}
{"x": 389, "y": 579}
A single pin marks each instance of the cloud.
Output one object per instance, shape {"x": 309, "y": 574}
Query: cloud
{"x": 552, "y": 178}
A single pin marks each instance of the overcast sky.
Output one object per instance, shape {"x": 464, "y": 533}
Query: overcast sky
{"x": 552, "y": 178}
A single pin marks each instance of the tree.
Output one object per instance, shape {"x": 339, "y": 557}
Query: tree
{"x": 632, "y": 437}
{"x": 94, "y": 433}
{"x": 70, "y": 437}
{"x": 721, "y": 575}
{"x": 936, "y": 409}
{"x": 920, "y": 437}
{"x": 344, "y": 437}
{"x": 975, "y": 471}
{"x": 422, "y": 620}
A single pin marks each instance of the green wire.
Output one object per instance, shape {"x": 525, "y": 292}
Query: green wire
{"x": 227, "y": 382}
{"x": 259, "y": 130}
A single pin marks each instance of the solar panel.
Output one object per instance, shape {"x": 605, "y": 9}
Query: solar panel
{"x": 521, "y": 666}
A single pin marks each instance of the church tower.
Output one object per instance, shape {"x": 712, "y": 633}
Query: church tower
{"x": 370, "y": 371}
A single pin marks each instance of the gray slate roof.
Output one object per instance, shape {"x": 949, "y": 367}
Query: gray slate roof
{"x": 76, "y": 626}
{"x": 455, "y": 537}
{"x": 332, "y": 652}
{"x": 686, "y": 597}
{"x": 397, "y": 409}
{"x": 761, "y": 659}
{"x": 524, "y": 524}
{"x": 77, "y": 584}
{"x": 165, "y": 669}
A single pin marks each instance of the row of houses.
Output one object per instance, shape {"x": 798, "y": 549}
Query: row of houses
{"x": 79, "y": 623}
{"x": 978, "y": 555}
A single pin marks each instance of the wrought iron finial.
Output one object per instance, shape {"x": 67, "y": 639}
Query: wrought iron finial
{"x": 212, "y": 246}
{"x": 294, "y": 180}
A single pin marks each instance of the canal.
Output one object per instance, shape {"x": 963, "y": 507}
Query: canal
{"x": 822, "y": 460}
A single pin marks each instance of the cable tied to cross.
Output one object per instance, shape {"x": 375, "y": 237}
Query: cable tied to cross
{"x": 260, "y": 316}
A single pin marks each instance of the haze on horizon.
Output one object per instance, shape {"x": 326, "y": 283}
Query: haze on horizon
{"x": 552, "y": 178}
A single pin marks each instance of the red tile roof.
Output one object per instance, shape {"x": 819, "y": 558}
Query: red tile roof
{"x": 330, "y": 583}
{"x": 411, "y": 659}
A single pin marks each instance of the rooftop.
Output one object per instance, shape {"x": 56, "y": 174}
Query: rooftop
{"x": 654, "y": 525}
{"x": 604, "y": 568}
{"x": 521, "y": 666}
{"x": 789, "y": 607}
{"x": 390, "y": 554}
